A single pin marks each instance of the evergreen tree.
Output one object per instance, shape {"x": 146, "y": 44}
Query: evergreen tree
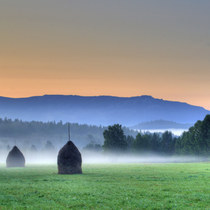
{"x": 114, "y": 139}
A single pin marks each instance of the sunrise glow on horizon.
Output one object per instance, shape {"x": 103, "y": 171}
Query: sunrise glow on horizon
{"x": 119, "y": 48}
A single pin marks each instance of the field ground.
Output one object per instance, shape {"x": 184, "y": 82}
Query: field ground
{"x": 122, "y": 186}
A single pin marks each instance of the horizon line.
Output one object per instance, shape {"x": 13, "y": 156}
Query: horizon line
{"x": 144, "y": 95}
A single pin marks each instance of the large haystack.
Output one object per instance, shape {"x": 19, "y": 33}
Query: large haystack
{"x": 69, "y": 159}
{"x": 15, "y": 158}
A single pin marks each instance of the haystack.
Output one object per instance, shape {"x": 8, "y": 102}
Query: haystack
{"x": 15, "y": 158}
{"x": 69, "y": 159}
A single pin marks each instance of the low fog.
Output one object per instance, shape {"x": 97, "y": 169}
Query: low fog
{"x": 176, "y": 132}
{"x": 89, "y": 157}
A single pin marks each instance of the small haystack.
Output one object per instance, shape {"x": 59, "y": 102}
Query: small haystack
{"x": 15, "y": 158}
{"x": 69, "y": 159}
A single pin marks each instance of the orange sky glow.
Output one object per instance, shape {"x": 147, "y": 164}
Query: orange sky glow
{"x": 118, "y": 48}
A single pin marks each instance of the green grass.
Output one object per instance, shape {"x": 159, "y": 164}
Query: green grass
{"x": 122, "y": 186}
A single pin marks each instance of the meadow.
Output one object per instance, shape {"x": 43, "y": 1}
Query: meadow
{"x": 107, "y": 186}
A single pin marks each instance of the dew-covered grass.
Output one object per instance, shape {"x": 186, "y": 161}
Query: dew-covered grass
{"x": 107, "y": 186}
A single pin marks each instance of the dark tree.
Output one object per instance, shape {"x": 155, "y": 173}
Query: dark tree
{"x": 33, "y": 148}
{"x": 205, "y": 134}
{"x": 94, "y": 147}
{"x": 167, "y": 143}
{"x": 197, "y": 140}
{"x": 130, "y": 141}
{"x": 49, "y": 146}
{"x": 142, "y": 142}
{"x": 155, "y": 142}
{"x": 114, "y": 139}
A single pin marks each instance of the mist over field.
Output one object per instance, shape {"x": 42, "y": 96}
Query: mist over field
{"x": 90, "y": 157}
{"x": 112, "y": 144}
{"x": 104, "y": 104}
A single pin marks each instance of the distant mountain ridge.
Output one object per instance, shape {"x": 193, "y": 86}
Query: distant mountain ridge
{"x": 161, "y": 124}
{"x": 99, "y": 110}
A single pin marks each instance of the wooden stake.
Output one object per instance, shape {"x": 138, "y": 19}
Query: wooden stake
{"x": 69, "y": 130}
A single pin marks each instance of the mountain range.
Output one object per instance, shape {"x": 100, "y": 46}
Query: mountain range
{"x": 99, "y": 110}
{"x": 161, "y": 124}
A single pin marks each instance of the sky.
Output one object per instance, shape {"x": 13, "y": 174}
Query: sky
{"x": 105, "y": 47}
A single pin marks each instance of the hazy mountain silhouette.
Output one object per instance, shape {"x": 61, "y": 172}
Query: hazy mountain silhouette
{"x": 99, "y": 110}
{"x": 161, "y": 124}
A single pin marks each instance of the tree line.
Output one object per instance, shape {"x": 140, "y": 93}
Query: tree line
{"x": 38, "y": 134}
{"x": 196, "y": 141}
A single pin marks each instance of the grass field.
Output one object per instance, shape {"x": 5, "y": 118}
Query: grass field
{"x": 122, "y": 186}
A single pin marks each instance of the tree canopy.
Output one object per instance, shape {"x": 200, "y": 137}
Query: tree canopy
{"x": 114, "y": 138}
